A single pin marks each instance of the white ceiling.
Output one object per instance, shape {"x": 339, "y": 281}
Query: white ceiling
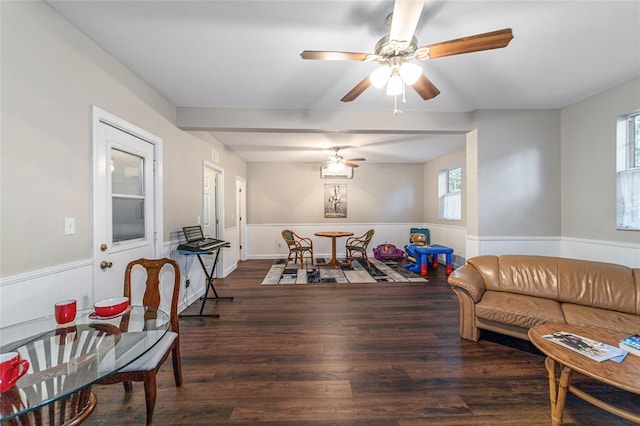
{"x": 245, "y": 54}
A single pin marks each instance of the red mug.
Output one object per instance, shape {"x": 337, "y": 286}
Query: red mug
{"x": 11, "y": 369}
{"x": 65, "y": 311}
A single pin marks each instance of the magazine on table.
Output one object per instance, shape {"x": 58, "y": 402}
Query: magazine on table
{"x": 631, "y": 344}
{"x": 590, "y": 348}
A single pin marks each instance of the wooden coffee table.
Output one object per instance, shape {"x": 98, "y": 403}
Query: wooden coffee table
{"x": 562, "y": 362}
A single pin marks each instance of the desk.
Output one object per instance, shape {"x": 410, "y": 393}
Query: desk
{"x": 562, "y": 362}
{"x": 65, "y": 361}
{"x": 434, "y": 250}
{"x": 208, "y": 278}
{"x": 334, "y": 263}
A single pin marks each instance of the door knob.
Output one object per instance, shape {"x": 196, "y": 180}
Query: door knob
{"x": 104, "y": 264}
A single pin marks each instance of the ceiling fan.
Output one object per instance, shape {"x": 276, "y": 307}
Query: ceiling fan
{"x": 396, "y": 50}
{"x": 337, "y": 162}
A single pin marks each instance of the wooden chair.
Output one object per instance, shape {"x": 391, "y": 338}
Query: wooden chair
{"x": 298, "y": 246}
{"x": 359, "y": 245}
{"x": 145, "y": 368}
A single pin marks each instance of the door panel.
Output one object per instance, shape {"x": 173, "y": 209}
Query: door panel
{"x": 210, "y": 198}
{"x": 124, "y": 217}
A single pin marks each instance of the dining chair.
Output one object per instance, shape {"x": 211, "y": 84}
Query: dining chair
{"x": 298, "y": 246}
{"x": 145, "y": 368}
{"x": 359, "y": 245}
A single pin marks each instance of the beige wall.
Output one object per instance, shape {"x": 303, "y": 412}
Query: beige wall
{"x": 294, "y": 193}
{"x": 431, "y": 171}
{"x": 518, "y": 172}
{"x": 589, "y": 164}
{"x": 51, "y": 77}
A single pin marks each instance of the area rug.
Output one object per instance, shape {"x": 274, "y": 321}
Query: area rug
{"x": 357, "y": 273}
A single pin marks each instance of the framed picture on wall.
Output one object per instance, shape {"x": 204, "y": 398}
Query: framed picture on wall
{"x": 335, "y": 200}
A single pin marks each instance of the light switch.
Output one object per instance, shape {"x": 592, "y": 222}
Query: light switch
{"x": 69, "y": 225}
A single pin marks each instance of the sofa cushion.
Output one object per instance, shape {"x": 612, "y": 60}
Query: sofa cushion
{"x": 597, "y": 284}
{"x": 531, "y": 275}
{"x": 517, "y": 309}
{"x": 603, "y": 318}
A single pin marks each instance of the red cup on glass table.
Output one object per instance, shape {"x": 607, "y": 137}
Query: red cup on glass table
{"x": 65, "y": 311}
{"x": 12, "y": 367}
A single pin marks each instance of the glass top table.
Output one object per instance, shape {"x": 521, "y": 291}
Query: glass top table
{"x": 65, "y": 359}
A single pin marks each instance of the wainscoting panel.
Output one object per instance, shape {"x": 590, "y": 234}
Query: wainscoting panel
{"x": 32, "y": 295}
{"x": 266, "y": 241}
{"x": 603, "y": 251}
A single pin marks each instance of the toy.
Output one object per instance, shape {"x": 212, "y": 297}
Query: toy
{"x": 388, "y": 252}
{"x": 419, "y": 237}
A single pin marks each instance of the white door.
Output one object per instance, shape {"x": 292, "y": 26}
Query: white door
{"x": 210, "y": 202}
{"x": 241, "y": 212}
{"x": 125, "y": 216}
{"x": 211, "y": 212}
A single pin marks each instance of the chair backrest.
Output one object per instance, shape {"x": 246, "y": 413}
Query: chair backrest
{"x": 152, "y": 293}
{"x": 424, "y": 231}
{"x": 290, "y": 237}
{"x": 367, "y": 237}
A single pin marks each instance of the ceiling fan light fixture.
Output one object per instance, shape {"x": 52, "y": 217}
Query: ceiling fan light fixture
{"x": 394, "y": 86}
{"x": 380, "y": 76}
{"x": 410, "y": 72}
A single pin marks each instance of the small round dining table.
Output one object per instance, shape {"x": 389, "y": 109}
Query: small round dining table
{"x": 334, "y": 262}
{"x": 66, "y": 360}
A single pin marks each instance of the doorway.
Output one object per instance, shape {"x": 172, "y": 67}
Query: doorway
{"x": 212, "y": 211}
{"x": 241, "y": 213}
{"x": 127, "y": 200}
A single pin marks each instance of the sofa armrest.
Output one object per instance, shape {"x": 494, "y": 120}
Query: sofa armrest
{"x": 468, "y": 279}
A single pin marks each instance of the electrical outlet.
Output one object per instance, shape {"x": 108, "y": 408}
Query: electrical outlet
{"x": 279, "y": 245}
{"x": 187, "y": 283}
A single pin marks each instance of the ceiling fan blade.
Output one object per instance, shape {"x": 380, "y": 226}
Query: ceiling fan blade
{"x": 334, "y": 56}
{"x": 406, "y": 14}
{"x": 357, "y": 90}
{"x": 475, "y": 43}
{"x": 425, "y": 88}
{"x": 356, "y": 159}
{"x": 354, "y": 165}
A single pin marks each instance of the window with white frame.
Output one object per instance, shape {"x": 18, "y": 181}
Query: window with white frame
{"x": 450, "y": 194}
{"x": 628, "y": 172}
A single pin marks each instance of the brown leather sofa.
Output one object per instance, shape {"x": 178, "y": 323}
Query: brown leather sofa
{"x": 511, "y": 293}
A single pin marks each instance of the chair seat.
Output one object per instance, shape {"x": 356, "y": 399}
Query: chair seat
{"x": 151, "y": 359}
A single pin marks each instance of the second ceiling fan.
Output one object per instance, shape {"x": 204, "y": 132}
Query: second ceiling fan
{"x": 337, "y": 162}
{"x": 396, "y": 50}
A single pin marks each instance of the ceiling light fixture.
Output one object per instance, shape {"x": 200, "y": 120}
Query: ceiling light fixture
{"x": 394, "y": 73}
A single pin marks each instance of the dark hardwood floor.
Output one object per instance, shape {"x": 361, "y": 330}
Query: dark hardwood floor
{"x": 346, "y": 354}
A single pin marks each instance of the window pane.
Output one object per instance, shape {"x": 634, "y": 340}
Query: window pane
{"x": 126, "y": 173}
{"x": 454, "y": 180}
{"x": 128, "y": 219}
